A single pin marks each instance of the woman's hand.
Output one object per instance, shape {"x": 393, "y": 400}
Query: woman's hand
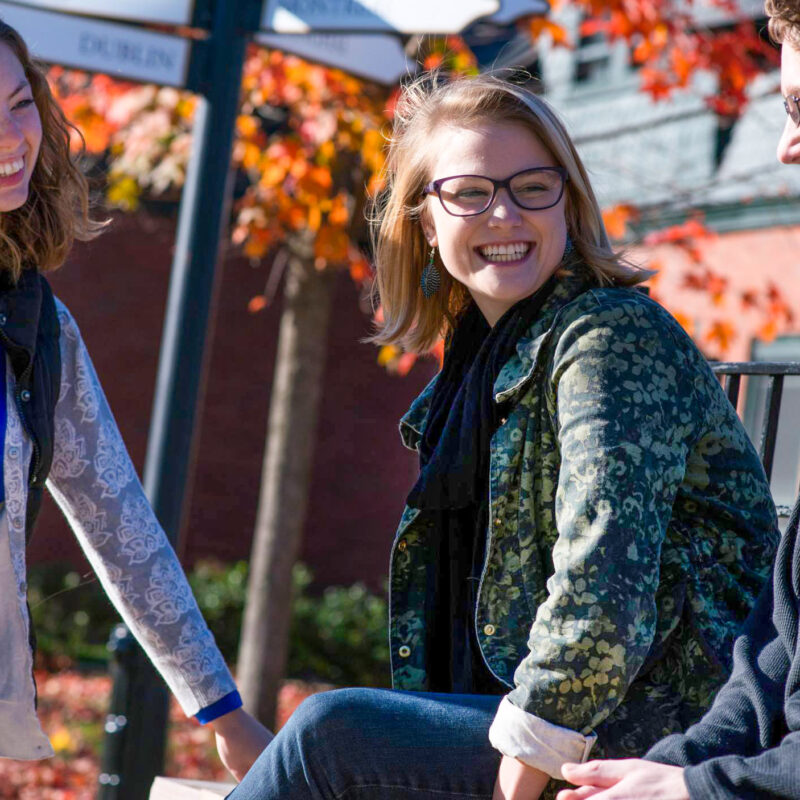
{"x": 240, "y": 740}
{"x": 518, "y": 781}
{"x": 627, "y": 779}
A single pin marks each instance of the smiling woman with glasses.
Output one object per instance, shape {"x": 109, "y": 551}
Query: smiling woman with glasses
{"x": 590, "y": 523}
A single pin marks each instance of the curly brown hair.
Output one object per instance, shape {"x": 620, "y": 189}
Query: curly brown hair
{"x": 784, "y": 20}
{"x": 41, "y": 232}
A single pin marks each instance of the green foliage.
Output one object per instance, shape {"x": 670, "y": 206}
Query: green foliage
{"x": 338, "y": 637}
{"x": 71, "y": 615}
{"x": 221, "y": 591}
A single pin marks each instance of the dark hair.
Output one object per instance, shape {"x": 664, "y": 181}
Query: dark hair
{"x": 40, "y": 233}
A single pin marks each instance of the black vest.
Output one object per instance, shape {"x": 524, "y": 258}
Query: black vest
{"x": 30, "y": 332}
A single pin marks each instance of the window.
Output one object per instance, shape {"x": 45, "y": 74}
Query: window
{"x": 593, "y": 59}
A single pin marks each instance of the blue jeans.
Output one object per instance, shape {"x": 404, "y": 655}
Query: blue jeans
{"x": 377, "y": 744}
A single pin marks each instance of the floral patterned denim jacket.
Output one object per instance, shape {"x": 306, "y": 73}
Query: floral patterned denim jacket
{"x": 631, "y": 526}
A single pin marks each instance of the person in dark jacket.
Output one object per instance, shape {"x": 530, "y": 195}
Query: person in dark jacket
{"x": 748, "y": 744}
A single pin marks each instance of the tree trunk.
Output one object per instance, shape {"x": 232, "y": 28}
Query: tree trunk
{"x": 284, "y": 485}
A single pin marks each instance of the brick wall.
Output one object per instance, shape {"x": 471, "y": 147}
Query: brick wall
{"x": 116, "y": 288}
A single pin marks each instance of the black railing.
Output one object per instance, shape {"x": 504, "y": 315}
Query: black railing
{"x": 731, "y": 375}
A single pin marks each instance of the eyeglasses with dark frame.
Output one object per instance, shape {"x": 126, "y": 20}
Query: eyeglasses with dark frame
{"x": 533, "y": 189}
{"x": 792, "y": 106}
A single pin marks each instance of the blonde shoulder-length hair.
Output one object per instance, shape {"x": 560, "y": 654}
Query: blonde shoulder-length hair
{"x": 40, "y": 233}
{"x": 409, "y": 319}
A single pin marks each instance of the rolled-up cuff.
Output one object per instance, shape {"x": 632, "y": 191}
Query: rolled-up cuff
{"x": 224, "y": 705}
{"x": 537, "y": 742}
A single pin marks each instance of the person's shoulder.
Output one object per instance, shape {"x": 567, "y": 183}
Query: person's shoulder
{"x": 69, "y": 327}
{"x": 633, "y": 299}
{"x": 64, "y": 314}
{"x": 621, "y": 308}
{"x": 622, "y": 328}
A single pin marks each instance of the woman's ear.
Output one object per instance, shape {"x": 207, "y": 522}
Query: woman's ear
{"x": 428, "y": 228}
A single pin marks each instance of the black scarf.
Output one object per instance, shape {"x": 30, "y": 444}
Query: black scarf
{"x": 463, "y": 416}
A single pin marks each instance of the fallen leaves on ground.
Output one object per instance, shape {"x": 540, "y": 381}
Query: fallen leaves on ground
{"x": 72, "y": 709}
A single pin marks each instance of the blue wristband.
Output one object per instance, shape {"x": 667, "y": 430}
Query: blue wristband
{"x": 224, "y": 705}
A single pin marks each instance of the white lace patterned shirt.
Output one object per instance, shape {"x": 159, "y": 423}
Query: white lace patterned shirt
{"x": 93, "y": 481}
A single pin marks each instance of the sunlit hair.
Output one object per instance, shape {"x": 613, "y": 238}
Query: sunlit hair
{"x": 401, "y": 249}
{"x": 784, "y": 21}
{"x": 40, "y": 233}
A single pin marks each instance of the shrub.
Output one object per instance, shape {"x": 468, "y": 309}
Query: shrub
{"x": 71, "y": 614}
{"x": 221, "y": 591}
{"x": 338, "y": 637}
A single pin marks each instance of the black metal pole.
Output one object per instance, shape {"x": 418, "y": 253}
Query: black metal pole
{"x": 136, "y": 724}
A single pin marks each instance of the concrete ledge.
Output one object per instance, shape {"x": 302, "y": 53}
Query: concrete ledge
{"x": 178, "y": 789}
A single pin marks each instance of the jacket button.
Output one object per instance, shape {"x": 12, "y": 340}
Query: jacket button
{"x": 404, "y": 651}
{"x": 24, "y": 395}
{"x": 402, "y": 545}
{"x": 498, "y": 522}
{"x": 3, "y": 319}
{"x": 489, "y": 629}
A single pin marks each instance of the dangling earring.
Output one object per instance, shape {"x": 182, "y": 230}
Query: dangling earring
{"x": 431, "y": 280}
{"x": 569, "y": 248}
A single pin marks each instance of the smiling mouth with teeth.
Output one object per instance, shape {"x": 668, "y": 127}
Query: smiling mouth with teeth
{"x": 498, "y": 253}
{"x": 10, "y": 168}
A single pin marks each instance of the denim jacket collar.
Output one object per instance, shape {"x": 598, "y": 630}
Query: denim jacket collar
{"x": 520, "y": 368}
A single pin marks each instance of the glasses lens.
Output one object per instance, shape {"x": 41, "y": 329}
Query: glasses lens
{"x": 792, "y": 109}
{"x": 537, "y": 188}
{"x": 466, "y": 195}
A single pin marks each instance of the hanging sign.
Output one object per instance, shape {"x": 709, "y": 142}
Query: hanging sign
{"x": 400, "y": 16}
{"x": 376, "y": 57}
{"x": 165, "y": 12}
{"x": 121, "y": 51}
{"x": 511, "y": 10}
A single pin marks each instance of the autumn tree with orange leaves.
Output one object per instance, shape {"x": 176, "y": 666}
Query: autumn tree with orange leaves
{"x": 308, "y": 195}
{"x": 310, "y": 145}
{"x": 671, "y": 48}
{"x": 305, "y": 202}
